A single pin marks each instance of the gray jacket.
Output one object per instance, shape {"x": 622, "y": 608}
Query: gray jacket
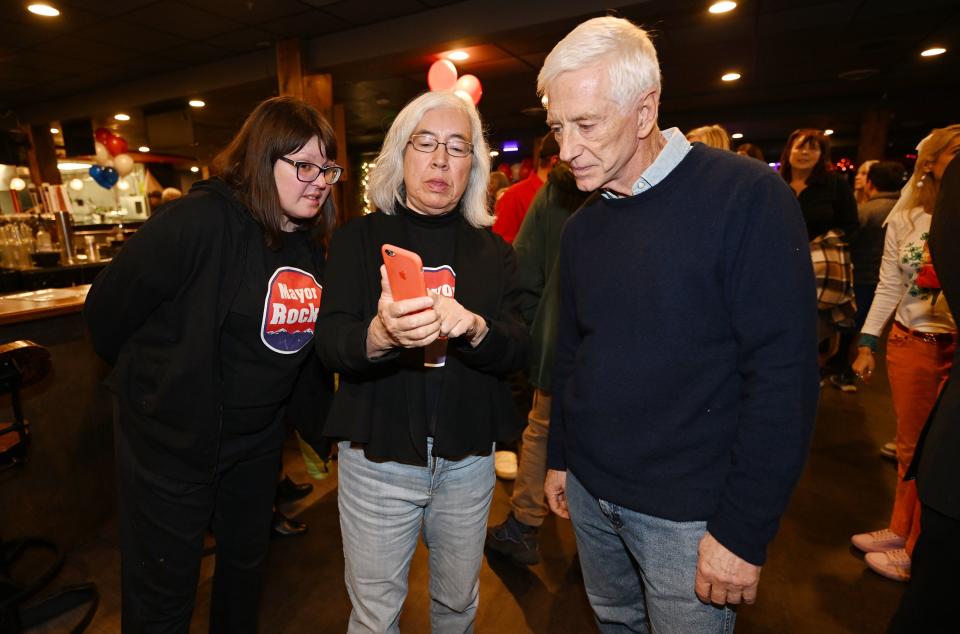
{"x": 866, "y": 246}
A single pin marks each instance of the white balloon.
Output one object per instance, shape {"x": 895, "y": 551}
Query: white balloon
{"x": 103, "y": 154}
{"x": 123, "y": 164}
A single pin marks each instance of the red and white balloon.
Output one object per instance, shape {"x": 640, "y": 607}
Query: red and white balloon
{"x": 110, "y": 152}
{"x": 442, "y": 75}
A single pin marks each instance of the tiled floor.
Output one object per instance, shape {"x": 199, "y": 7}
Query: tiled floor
{"x": 813, "y": 581}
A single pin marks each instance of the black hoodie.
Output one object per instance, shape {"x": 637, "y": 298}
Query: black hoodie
{"x": 156, "y": 314}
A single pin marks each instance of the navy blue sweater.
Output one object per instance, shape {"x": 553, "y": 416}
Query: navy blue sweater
{"x": 686, "y": 377}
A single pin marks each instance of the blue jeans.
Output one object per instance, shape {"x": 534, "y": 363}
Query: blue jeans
{"x": 383, "y": 506}
{"x": 640, "y": 570}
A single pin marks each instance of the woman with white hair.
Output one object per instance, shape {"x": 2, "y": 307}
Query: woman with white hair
{"x": 423, "y": 382}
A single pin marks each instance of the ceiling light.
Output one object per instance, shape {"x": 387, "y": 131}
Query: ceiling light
{"x": 736, "y": 135}
{"x": 54, "y": 130}
{"x": 43, "y": 9}
{"x": 197, "y": 103}
{"x": 933, "y": 52}
{"x": 143, "y": 148}
{"x": 194, "y": 169}
{"x": 121, "y": 117}
{"x": 494, "y": 153}
{"x": 458, "y": 56}
{"x": 827, "y": 132}
{"x": 722, "y": 7}
{"x": 730, "y": 77}
{"x": 17, "y": 184}
{"x": 511, "y": 146}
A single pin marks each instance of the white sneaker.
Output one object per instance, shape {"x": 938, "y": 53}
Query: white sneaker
{"x": 505, "y": 464}
{"x": 893, "y": 564}
{"x": 878, "y": 541}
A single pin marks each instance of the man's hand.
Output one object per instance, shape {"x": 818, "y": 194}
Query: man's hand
{"x": 555, "y": 488}
{"x": 722, "y": 577}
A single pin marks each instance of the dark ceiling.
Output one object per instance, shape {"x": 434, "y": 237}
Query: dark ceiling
{"x": 820, "y": 63}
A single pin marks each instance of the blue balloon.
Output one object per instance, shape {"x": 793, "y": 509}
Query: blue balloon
{"x": 109, "y": 177}
{"x": 105, "y": 177}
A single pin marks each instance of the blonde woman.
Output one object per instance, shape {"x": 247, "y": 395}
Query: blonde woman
{"x": 712, "y": 135}
{"x": 920, "y": 346}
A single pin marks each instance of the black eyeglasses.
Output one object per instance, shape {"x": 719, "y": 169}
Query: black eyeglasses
{"x": 308, "y": 172}
{"x": 454, "y": 147}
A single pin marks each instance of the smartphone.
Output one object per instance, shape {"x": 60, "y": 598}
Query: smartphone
{"x": 404, "y": 272}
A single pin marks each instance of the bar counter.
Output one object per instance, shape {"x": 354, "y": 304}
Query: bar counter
{"x": 65, "y": 491}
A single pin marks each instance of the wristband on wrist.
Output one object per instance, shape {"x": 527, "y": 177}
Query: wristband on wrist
{"x": 868, "y": 341}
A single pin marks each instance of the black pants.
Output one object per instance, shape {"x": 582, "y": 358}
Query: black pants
{"x": 928, "y": 603}
{"x": 162, "y": 526}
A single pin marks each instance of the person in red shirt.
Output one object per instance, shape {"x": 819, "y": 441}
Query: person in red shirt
{"x": 513, "y": 205}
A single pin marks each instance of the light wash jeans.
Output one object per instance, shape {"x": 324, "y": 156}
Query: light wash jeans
{"x": 383, "y": 506}
{"x": 639, "y": 570}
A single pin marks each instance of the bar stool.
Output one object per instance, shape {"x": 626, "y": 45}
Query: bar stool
{"x": 23, "y": 363}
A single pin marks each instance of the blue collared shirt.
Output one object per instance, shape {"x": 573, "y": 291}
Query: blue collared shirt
{"x": 670, "y": 156}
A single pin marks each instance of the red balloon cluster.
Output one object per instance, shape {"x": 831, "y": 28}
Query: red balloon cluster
{"x": 443, "y": 76}
{"x": 114, "y": 143}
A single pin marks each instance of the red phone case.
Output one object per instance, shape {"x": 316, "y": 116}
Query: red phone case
{"x": 404, "y": 272}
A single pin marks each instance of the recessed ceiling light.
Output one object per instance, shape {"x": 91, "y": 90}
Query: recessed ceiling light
{"x": 45, "y": 10}
{"x": 143, "y": 148}
{"x": 494, "y": 153}
{"x": 197, "y": 103}
{"x": 730, "y": 76}
{"x": 736, "y": 135}
{"x": 933, "y": 52}
{"x": 121, "y": 117}
{"x": 194, "y": 169}
{"x": 827, "y": 132}
{"x": 458, "y": 56}
{"x": 54, "y": 130}
{"x": 722, "y": 7}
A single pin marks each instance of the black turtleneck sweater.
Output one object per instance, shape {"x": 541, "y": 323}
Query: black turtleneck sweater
{"x": 434, "y": 239}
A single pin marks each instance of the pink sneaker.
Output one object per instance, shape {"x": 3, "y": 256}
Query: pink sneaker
{"x": 878, "y": 541}
{"x": 893, "y": 564}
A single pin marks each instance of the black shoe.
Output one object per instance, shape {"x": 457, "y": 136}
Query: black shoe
{"x": 290, "y": 491}
{"x": 284, "y": 526}
{"x": 516, "y": 540}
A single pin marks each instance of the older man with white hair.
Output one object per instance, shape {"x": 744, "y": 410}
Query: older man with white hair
{"x": 686, "y": 374}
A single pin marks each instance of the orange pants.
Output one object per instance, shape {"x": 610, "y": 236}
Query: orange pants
{"x": 917, "y": 370}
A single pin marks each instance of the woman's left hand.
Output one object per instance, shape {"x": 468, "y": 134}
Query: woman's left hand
{"x": 456, "y": 321}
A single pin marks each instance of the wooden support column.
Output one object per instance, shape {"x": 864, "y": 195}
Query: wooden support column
{"x": 289, "y": 68}
{"x": 873, "y": 135}
{"x": 43, "y": 156}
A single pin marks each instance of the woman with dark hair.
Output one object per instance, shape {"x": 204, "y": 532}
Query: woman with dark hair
{"x": 207, "y": 315}
{"x": 825, "y": 197}
{"x": 424, "y": 392}
{"x": 830, "y": 214}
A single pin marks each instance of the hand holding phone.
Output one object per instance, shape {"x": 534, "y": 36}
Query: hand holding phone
{"x": 405, "y": 315}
